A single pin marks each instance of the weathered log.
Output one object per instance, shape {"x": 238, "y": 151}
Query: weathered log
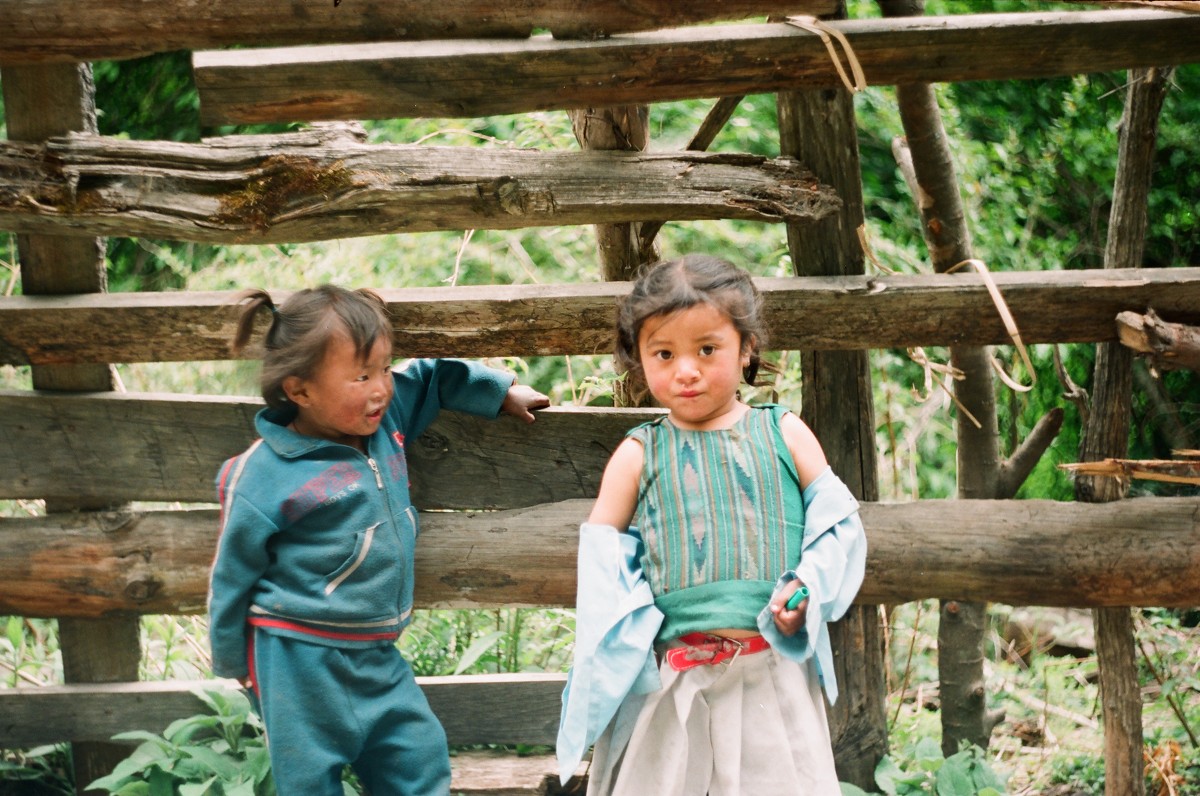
{"x": 40, "y": 31}
{"x": 474, "y": 709}
{"x": 128, "y": 446}
{"x": 823, "y": 313}
{"x": 1168, "y": 346}
{"x": 316, "y": 186}
{"x": 482, "y": 78}
{"x": 1141, "y": 552}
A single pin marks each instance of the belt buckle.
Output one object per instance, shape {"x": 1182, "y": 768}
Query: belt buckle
{"x": 723, "y": 645}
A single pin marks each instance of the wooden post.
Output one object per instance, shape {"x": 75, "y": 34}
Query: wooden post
{"x": 621, "y": 128}
{"x": 817, "y": 128}
{"x": 1107, "y": 431}
{"x": 40, "y": 102}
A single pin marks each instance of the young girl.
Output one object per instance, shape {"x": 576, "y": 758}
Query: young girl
{"x": 701, "y": 677}
{"x": 313, "y": 577}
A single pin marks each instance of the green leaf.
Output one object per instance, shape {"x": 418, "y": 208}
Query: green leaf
{"x": 197, "y": 788}
{"x": 478, "y": 647}
{"x": 852, "y": 790}
{"x": 225, "y": 768}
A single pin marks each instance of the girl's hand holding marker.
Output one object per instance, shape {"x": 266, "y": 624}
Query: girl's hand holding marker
{"x": 800, "y": 596}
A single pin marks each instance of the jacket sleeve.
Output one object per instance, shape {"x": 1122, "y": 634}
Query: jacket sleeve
{"x": 616, "y": 623}
{"x": 426, "y": 386}
{"x": 240, "y": 562}
{"x": 832, "y": 564}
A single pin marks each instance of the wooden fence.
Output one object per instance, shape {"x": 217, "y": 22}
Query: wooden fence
{"x": 519, "y": 492}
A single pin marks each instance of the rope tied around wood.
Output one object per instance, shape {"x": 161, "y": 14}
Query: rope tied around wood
{"x": 827, "y": 34}
{"x": 918, "y": 355}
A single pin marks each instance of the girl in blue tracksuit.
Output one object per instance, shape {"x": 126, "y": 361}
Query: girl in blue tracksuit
{"x": 313, "y": 577}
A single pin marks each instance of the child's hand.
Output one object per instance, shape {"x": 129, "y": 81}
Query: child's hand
{"x": 521, "y": 399}
{"x": 788, "y": 621}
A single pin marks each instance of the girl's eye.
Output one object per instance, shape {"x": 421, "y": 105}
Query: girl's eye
{"x": 707, "y": 350}
{"x": 663, "y": 355}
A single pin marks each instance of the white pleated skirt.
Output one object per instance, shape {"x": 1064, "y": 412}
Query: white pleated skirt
{"x": 753, "y": 726}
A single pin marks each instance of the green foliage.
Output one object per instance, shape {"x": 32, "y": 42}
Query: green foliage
{"x": 45, "y": 770}
{"x": 922, "y": 769}
{"x": 221, "y": 753}
{"x": 440, "y": 642}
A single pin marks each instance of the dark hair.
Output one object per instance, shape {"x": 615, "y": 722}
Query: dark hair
{"x": 672, "y": 285}
{"x": 302, "y": 327}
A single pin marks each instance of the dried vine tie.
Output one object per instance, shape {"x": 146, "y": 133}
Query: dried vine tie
{"x": 814, "y": 25}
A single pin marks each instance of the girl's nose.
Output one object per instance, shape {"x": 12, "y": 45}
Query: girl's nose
{"x": 686, "y": 370}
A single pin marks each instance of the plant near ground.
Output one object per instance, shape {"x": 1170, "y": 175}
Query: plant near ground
{"x": 47, "y": 766}
{"x": 221, "y": 753}
{"x": 922, "y": 769}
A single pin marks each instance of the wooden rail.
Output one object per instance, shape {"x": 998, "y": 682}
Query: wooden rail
{"x": 326, "y": 184}
{"x": 487, "y": 77}
{"x": 823, "y": 313}
{"x": 474, "y": 709}
{"x": 43, "y": 31}
{"x": 1020, "y": 552}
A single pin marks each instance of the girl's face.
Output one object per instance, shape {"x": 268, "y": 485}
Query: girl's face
{"x": 693, "y": 361}
{"x": 346, "y": 397}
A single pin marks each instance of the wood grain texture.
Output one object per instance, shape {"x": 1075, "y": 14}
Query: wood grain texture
{"x": 321, "y": 185}
{"x": 131, "y": 446}
{"x": 823, "y": 313}
{"x": 1020, "y": 552}
{"x": 41, "y": 31}
{"x": 504, "y": 708}
{"x": 485, "y": 77}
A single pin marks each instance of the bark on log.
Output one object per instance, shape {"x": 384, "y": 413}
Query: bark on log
{"x": 1107, "y": 431}
{"x": 1168, "y": 346}
{"x": 817, "y": 312}
{"x": 317, "y": 186}
{"x": 41, "y": 31}
{"x": 1143, "y": 551}
{"x": 168, "y": 447}
{"x": 482, "y": 78}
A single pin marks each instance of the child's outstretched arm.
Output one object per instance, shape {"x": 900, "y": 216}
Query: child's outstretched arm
{"x": 617, "y": 500}
{"x": 521, "y": 399}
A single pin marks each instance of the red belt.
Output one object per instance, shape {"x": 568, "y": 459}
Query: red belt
{"x": 703, "y": 649}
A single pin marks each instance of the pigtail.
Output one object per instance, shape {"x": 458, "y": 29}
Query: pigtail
{"x": 252, "y": 301}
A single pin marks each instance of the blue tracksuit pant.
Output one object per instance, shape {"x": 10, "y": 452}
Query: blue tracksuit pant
{"x": 325, "y": 707}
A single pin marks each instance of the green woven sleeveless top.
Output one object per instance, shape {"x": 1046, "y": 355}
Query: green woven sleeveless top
{"x": 721, "y": 516}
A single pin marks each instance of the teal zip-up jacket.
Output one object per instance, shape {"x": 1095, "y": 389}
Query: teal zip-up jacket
{"x": 317, "y": 538}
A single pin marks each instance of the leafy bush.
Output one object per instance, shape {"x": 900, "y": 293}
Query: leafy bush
{"x": 923, "y": 770}
{"x": 221, "y": 753}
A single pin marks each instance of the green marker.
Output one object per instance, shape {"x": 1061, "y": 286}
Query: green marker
{"x": 800, "y": 596}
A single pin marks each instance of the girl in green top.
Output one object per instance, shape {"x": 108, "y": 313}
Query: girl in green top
{"x": 714, "y": 488}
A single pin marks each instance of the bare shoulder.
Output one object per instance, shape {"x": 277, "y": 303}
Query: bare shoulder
{"x": 617, "y": 501}
{"x": 805, "y": 448}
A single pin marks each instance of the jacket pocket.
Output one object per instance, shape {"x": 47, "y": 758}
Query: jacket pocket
{"x": 362, "y": 547}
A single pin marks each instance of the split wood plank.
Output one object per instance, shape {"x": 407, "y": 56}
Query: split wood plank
{"x": 486, "y": 77}
{"x": 821, "y": 313}
{"x": 323, "y": 184}
{"x": 1169, "y": 470}
{"x": 41, "y": 31}
{"x": 1139, "y": 552}
{"x": 474, "y": 709}
{"x": 129, "y": 446}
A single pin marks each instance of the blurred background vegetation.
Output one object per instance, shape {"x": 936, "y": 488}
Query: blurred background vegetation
{"x": 1036, "y": 162}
